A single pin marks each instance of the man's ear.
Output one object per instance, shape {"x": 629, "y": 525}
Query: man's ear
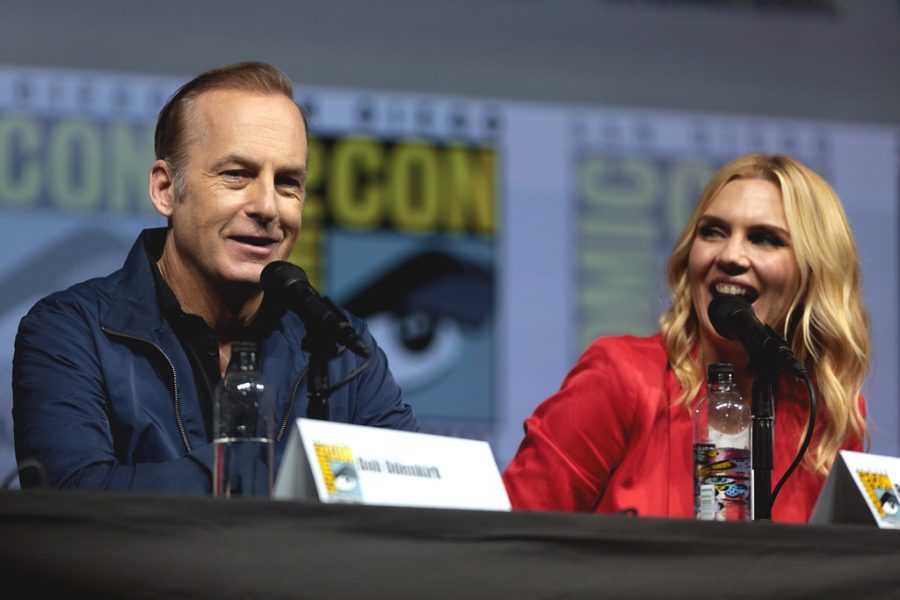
{"x": 162, "y": 187}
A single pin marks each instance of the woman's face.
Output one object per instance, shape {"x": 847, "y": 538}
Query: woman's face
{"x": 742, "y": 246}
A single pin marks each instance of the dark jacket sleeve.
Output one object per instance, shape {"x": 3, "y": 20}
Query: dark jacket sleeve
{"x": 62, "y": 413}
{"x": 379, "y": 399}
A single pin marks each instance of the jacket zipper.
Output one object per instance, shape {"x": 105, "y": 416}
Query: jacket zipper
{"x": 178, "y": 419}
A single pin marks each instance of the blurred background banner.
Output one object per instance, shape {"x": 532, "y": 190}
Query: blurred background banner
{"x": 492, "y": 185}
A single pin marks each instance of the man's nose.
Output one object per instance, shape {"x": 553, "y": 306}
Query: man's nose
{"x": 262, "y": 202}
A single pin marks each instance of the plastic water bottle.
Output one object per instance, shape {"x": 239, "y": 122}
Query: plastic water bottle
{"x": 722, "y": 470}
{"x": 243, "y": 427}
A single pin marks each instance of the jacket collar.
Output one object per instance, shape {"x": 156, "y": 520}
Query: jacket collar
{"x": 134, "y": 308}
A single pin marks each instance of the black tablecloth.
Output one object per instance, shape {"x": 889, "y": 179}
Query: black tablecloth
{"x": 139, "y": 546}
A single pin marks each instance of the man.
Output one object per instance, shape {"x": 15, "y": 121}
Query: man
{"x": 113, "y": 378}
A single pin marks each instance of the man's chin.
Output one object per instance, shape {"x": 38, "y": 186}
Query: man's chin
{"x": 245, "y": 277}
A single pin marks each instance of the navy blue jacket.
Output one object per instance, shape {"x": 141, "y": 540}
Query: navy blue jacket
{"x": 104, "y": 396}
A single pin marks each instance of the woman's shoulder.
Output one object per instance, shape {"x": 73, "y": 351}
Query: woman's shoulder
{"x": 628, "y": 348}
{"x": 626, "y": 358}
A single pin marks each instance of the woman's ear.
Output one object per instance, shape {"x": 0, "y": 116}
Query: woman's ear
{"x": 162, "y": 187}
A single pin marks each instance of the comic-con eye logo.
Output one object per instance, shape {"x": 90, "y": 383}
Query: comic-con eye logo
{"x": 883, "y": 495}
{"x": 339, "y": 471}
{"x": 889, "y": 505}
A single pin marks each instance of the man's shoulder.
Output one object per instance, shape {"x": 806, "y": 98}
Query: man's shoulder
{"x": 94, "y": 295}
{"x": 91, "y": 295}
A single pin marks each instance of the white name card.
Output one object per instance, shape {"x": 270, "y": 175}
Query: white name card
{"x": 337, "y": 462}
{"x": 862, "y": 489}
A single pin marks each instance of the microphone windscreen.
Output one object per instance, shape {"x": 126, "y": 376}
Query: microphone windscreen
{"x": 721, "y": 310}
{"x": 279, "y": 274}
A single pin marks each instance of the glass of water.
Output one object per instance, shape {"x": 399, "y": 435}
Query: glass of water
{"x": 243, "y": 427}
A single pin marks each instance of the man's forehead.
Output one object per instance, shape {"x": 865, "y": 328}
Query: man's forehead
{"x": 217, "y": 104}
{"x": 228, "y": 112}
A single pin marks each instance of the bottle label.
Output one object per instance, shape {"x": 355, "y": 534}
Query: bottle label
{"x": 721, "y": 483}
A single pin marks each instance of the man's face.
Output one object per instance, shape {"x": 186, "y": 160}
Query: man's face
{"x": 244, "y": 181}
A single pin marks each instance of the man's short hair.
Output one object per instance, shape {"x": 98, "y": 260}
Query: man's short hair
{"x": 169, "y": 138}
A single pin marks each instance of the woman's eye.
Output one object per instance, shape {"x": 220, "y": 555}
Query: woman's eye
{"x": 710, "y": 231}
{"x": 768, "y": 239}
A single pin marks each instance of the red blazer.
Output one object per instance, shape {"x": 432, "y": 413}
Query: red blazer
{"x": 611, "y": 440}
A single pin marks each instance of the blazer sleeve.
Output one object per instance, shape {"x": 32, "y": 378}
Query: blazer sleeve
{"x": 577, "y": 437}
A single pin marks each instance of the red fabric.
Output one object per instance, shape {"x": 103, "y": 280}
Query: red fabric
{"x": 609, "y": 440}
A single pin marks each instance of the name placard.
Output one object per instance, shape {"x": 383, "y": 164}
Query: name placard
{"x": 337, "y": 462}
{"x": 861, "y": 489}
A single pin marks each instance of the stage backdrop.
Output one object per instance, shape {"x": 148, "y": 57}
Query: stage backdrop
{"x": 486, "y": 242}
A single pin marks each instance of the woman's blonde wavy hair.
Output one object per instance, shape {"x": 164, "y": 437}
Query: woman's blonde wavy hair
{"x": 827, "y": 323}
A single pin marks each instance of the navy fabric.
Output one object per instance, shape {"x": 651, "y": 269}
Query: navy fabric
{"x": 104, "y": 395}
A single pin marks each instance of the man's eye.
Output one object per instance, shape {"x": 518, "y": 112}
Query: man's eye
{"x": 234, "y": 174}
{"x": 287, "y": 182}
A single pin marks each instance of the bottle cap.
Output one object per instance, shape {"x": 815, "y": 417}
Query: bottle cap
{"x": 244, "y": 356}
{"x": 237, "y": 347}
{"x": 716, "y": 370}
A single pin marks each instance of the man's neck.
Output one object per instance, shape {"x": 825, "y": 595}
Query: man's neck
{"x": 228, "y": 312}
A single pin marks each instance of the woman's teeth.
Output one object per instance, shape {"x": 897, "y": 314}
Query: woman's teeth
{"x": 731, "y": 290}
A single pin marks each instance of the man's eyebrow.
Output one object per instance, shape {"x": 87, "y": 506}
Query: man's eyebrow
{"x": 232, "y": 159}
{"x": 298, "y": 171}
{"x": 295, "y": 171}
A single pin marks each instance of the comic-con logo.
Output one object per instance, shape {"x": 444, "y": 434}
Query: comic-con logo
{"x": 883, "y": 495}
{"x": 339, "y": 471}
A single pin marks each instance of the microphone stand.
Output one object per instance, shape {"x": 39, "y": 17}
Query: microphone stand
{"x": 763, "y": 410}
{"x": 321, "y": 351}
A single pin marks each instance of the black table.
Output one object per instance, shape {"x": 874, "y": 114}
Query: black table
{"x": 140, "y": 546}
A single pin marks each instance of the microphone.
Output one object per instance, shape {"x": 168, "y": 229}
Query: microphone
{"x": 289, "y": 283}
{"x": 733, "y": 318}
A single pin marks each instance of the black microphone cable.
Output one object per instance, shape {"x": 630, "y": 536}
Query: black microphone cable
{"x": 350, "y": 376}
{"x": 811, "y": 394}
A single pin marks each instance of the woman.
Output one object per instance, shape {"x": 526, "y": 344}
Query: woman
{"x": 617, "y": 435}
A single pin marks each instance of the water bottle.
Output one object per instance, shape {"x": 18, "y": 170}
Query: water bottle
{"x": 722, "y": 470}
{"x": 243, "y": 427}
